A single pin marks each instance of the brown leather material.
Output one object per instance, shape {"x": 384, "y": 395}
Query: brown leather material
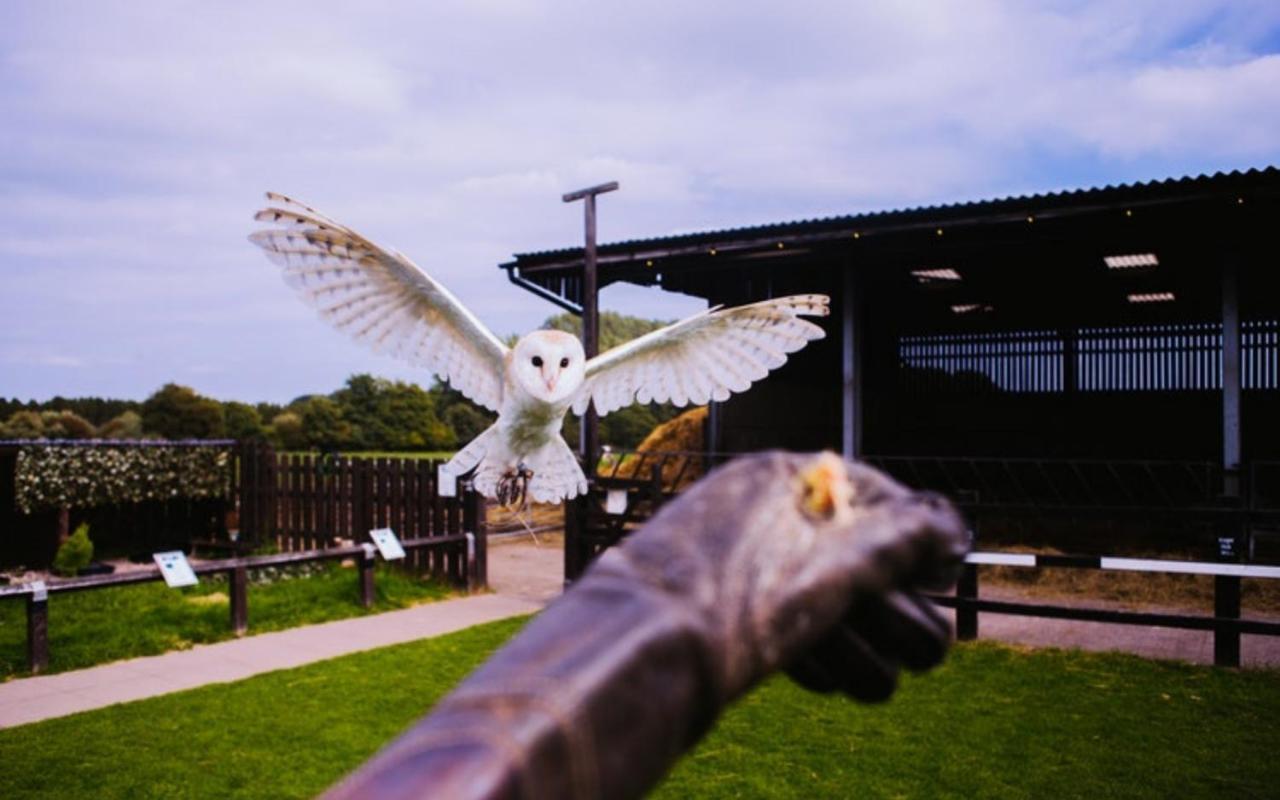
{"x": 767, "y": 563}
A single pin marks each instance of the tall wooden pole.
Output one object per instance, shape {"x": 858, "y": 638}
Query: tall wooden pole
{"x": 589, "y": 439}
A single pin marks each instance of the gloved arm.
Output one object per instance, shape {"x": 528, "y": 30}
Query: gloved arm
{"x": 774, "y": 561}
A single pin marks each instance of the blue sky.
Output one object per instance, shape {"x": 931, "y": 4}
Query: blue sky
{"x": 137, "y": 139}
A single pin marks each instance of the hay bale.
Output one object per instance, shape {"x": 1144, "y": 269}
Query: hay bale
{"x": 683, "y": 434}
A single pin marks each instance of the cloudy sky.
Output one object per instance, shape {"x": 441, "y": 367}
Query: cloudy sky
{"x": 136, "y": 139}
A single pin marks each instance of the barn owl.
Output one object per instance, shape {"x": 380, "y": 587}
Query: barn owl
{"x": 380, "y": 297}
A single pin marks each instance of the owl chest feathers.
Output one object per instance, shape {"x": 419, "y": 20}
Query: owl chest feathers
{"x": 527, "y": 422}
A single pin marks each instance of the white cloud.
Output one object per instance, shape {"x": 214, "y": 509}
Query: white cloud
{"x": 147, "y": 132}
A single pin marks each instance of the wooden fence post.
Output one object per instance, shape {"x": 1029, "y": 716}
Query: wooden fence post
{"x": 475, "y": 523}
{"x": 238, "y": 579}
{"x": 38, "y": 629}
{"x": 366, "y": 562}
{"x": 1226, "y": 605}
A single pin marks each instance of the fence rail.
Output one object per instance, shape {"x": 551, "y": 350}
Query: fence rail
{"x": 1226, "y": 624}
{"x": 469, "y": 548}
{"x": 1187, "y": 490}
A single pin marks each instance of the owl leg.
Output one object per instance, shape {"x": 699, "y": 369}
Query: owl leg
{"x": 513, "y": 487}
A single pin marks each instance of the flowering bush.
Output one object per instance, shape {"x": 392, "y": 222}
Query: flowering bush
{"x": 53, "y": 476}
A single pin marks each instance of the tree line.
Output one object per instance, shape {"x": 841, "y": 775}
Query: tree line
{"x": 366, "y": 413}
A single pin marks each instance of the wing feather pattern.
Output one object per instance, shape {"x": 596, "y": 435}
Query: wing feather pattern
{"x": 381, "y": 298}
{"x": 705, "y": 357}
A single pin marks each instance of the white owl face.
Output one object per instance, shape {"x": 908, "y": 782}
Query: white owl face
{"x": 548, "y": 365}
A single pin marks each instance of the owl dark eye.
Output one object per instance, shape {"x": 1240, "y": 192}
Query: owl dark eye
{"x": 537, "y": 361}
{"x": 564, "y": 362}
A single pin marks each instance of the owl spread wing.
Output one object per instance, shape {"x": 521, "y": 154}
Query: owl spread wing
{"x": 382, "y": 298}
{"x": 705, "y": 357}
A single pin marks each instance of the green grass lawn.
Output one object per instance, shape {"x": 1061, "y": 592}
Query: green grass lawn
{"x": 993, "y": 722}
{"x": 103, "y": 625}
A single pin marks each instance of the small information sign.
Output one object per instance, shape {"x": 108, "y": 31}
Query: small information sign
{"x": 387, "y": 543}
{"x": 175, "y": 569}
{"x": 615, "y": 502}
{"x": 446, "y": 482}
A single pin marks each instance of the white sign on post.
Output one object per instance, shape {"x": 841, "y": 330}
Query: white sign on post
{"x": 446, "y": 482}
{"x": 175, "y": 569}
{"x": 387, "y": 543}
{"x": 615, "y": 502}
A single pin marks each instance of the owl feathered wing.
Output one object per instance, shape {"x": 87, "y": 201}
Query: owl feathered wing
{"x": 382, "y": 298}
{"x": 705, "y": 357}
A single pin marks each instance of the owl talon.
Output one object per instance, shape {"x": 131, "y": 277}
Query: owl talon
{"x": 513, "y": 487}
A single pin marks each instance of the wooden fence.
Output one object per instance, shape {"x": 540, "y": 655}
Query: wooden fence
{"x": 291, "y": 502}
{"x": 237, "y": 571}
{"x": 310, "y": 501}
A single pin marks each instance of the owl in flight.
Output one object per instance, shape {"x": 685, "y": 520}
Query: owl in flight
{"x": 381, "y": 297}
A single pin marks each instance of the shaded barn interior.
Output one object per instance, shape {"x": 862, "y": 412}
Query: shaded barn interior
{"x": 1120, "y": 323}
{"x": 1081, "y": 324}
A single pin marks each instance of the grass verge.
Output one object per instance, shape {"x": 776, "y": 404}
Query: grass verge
{"x": 94, "y": 627}
{"x": 993, "y": 722}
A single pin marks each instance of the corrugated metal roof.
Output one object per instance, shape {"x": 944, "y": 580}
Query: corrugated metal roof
{"x": 1029, "y": 203}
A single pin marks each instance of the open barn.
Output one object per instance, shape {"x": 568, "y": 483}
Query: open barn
{"x": 1109, "y": 349}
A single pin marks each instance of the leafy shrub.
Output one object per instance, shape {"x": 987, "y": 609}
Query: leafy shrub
{"x": 23, "y": 425}
{"x": 75, "y": 553}
{"x": 126, "y": 426}
{"x": 66, "y": 425}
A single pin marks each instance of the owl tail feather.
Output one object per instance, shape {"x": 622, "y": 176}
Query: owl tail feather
{"x": 555, "y": 476}
{"x": 556, "y": 473}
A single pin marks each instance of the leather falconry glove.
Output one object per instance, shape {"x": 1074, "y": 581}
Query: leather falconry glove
{"x": 774, "y": 561}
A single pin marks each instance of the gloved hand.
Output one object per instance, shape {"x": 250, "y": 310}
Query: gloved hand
{"x": 776, "y": 560}
{"x": 806, "y": 563}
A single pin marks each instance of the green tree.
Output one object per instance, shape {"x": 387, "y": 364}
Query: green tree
{"x": 615, "y": 328}
{"x": 323, "y": 425}
{"x": 286, "y": 432}
{"x": 178, "y": 412}
{"x": 467, "y": 421}
{"x": 627, "y": 427}
{"x": 268, "y": 411}
{"x": 242, "y": 421}
{"x": 126, "y": 426}
{"x": 387, "y": 415}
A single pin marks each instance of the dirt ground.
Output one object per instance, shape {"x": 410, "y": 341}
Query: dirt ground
{"x": 534, "y": 571}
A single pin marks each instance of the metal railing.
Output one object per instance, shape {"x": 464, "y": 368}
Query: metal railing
{"x": 1226, "y": 624}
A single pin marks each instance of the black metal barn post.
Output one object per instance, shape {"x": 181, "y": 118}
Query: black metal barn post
{"x": 851, "y": 400}
{"x": 1231, "y": 440}
{"x": 590, "y": 313}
